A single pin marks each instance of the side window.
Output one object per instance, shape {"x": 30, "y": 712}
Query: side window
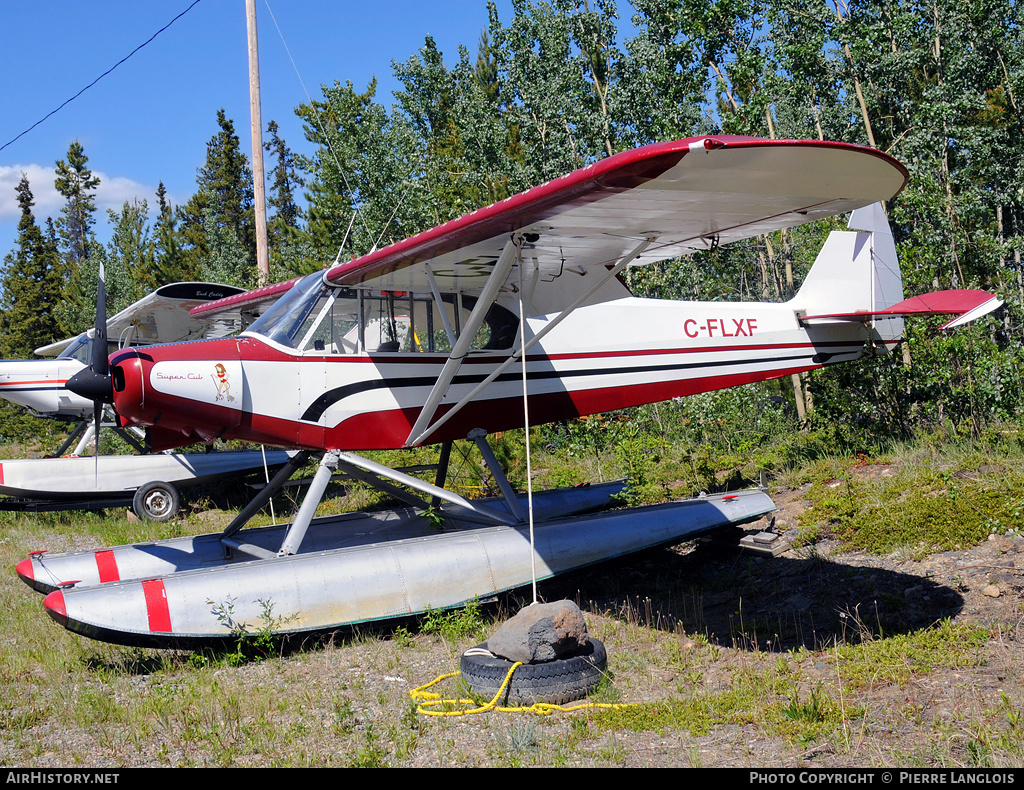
{"x": 332, "y": 326}
{"x": 415, "y": 323}
{"x": 498, "y": 330}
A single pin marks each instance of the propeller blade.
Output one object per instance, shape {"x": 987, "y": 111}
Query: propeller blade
{"x": 100, "y": 365}
{"x": 94, "y": 382}
{"x": 97, "y": 414}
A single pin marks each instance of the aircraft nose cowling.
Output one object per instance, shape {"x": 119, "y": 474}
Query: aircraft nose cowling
{"x": 128, "y": 377}
{"x": 194, "y": 389}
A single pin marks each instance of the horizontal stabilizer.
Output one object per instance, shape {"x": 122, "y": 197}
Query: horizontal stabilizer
{"x": 966, "y": 305}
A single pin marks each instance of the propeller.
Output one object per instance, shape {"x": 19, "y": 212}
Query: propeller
{"x": 94, "y": 381}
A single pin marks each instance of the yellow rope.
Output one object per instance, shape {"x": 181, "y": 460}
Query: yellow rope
{"x": 429, "y": 699}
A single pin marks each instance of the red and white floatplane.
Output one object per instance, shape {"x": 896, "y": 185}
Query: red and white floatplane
{"x": 511, "y": 315}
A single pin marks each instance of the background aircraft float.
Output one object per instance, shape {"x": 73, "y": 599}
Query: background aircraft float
{"x": 511, "y": 315}
{"x": 150, "y": 482}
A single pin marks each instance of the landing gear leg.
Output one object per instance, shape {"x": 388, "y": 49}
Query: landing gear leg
{"x": 257, "y": 503}
{"x": 82, "y": 426}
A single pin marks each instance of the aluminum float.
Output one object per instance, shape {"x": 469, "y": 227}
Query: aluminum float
{"x": 375, "y": 577}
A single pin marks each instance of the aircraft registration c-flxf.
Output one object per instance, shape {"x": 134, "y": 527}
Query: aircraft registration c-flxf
{"x": 460, "y": 331}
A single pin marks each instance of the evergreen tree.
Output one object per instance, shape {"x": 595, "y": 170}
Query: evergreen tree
{"x": 226, "y": 260}
{"x": 31, "y": 285}
{"x": 78, "y": 247}
{"x": 76, "y": 182}
{"x": 287, "y": 215}
{"x": 130, "y": 264}
{"x": 224, "y": 196}
{"x": 169, "y": 264}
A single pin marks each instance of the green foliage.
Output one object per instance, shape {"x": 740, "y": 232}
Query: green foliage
{"x": 218, "y": 221}
{"x": 940, "y": 507}
{"x": 454, "y": 624}
{"x": 248, "y": 644}
{"x": 769, "y": 698}
{"x": 900, "y": 658}
{"x": 31, "y": 283}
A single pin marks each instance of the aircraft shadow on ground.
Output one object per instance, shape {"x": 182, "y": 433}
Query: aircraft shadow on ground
{"x": 749, "y": 601}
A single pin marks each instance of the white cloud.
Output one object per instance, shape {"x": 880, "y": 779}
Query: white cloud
{"x": 40, "y": 179}
{"x": 112, "y": 193}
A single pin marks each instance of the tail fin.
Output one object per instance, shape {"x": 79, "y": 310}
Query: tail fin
{"x": 857, "y": 272}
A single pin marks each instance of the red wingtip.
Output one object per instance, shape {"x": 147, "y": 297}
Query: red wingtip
{"x": 54, "y": 605}
{"x": 24, "y": 569}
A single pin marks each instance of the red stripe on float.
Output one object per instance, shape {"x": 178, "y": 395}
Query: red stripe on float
{"x": 106, "y": 564}
{"x": 156, "y": 605}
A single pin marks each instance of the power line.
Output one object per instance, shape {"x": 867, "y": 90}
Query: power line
{"x": 104, "y": 74}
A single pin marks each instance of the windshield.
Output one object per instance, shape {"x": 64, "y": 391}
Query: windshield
{"x": 81, "y": 348}
{"x": 282, "y": 321}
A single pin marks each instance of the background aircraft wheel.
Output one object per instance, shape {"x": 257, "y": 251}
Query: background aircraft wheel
{"x": 558, "y": 681}
{"x": 156, "y": 501}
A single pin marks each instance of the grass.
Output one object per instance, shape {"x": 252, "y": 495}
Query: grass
{"x": 716, "y": 650}
{"x": 928, "y": 501}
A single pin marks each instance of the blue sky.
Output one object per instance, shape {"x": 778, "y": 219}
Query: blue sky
{"x": 149, "y": 120}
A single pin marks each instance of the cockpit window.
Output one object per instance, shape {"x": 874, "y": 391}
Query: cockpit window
{"x": 81, "y": 348}
{"x": 316, "y": 318}
{"x": 78, "y": 349}
{"x": 285, "y": 317}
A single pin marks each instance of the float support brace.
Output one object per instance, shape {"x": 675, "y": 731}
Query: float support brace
{"x": 297, "y": 531}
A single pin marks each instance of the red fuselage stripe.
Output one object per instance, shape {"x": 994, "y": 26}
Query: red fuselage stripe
{"x": 49, "y": 382}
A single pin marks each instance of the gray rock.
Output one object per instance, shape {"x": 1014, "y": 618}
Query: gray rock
{"x": 542, "y": 632}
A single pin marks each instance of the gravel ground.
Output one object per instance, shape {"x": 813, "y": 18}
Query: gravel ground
{"x": 685, "y": 623}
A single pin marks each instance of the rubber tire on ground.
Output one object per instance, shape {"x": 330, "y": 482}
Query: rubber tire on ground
{"x": 559, "y": 681}
{"x": 156, "y": 501}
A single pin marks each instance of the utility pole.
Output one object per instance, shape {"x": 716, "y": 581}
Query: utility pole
{"x": 258, "y": 188}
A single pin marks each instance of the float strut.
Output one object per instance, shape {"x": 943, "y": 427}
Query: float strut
{"x": 442, "y": 471}
{"x": 297, "y": 531}
{"x": 72, "y": 437}
{"x": 258, "y": 501}
{"x": 479, "y": 435}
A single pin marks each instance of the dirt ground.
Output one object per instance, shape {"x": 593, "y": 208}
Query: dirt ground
{"x": 679, "y": 624}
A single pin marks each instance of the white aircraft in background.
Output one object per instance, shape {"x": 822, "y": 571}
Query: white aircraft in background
{"x": 160, "y": 317}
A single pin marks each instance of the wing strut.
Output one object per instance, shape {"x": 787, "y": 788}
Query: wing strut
{"x": 444, "y": 316}
{"x": 518, "y": 353}
{"x": 462, "y": 345}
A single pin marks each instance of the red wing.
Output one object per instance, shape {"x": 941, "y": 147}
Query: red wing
{"x": 689, "y": 195}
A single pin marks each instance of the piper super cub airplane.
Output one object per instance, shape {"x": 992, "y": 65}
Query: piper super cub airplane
{"x": 149, "y": 481}
{"x": 511, "y": 315}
